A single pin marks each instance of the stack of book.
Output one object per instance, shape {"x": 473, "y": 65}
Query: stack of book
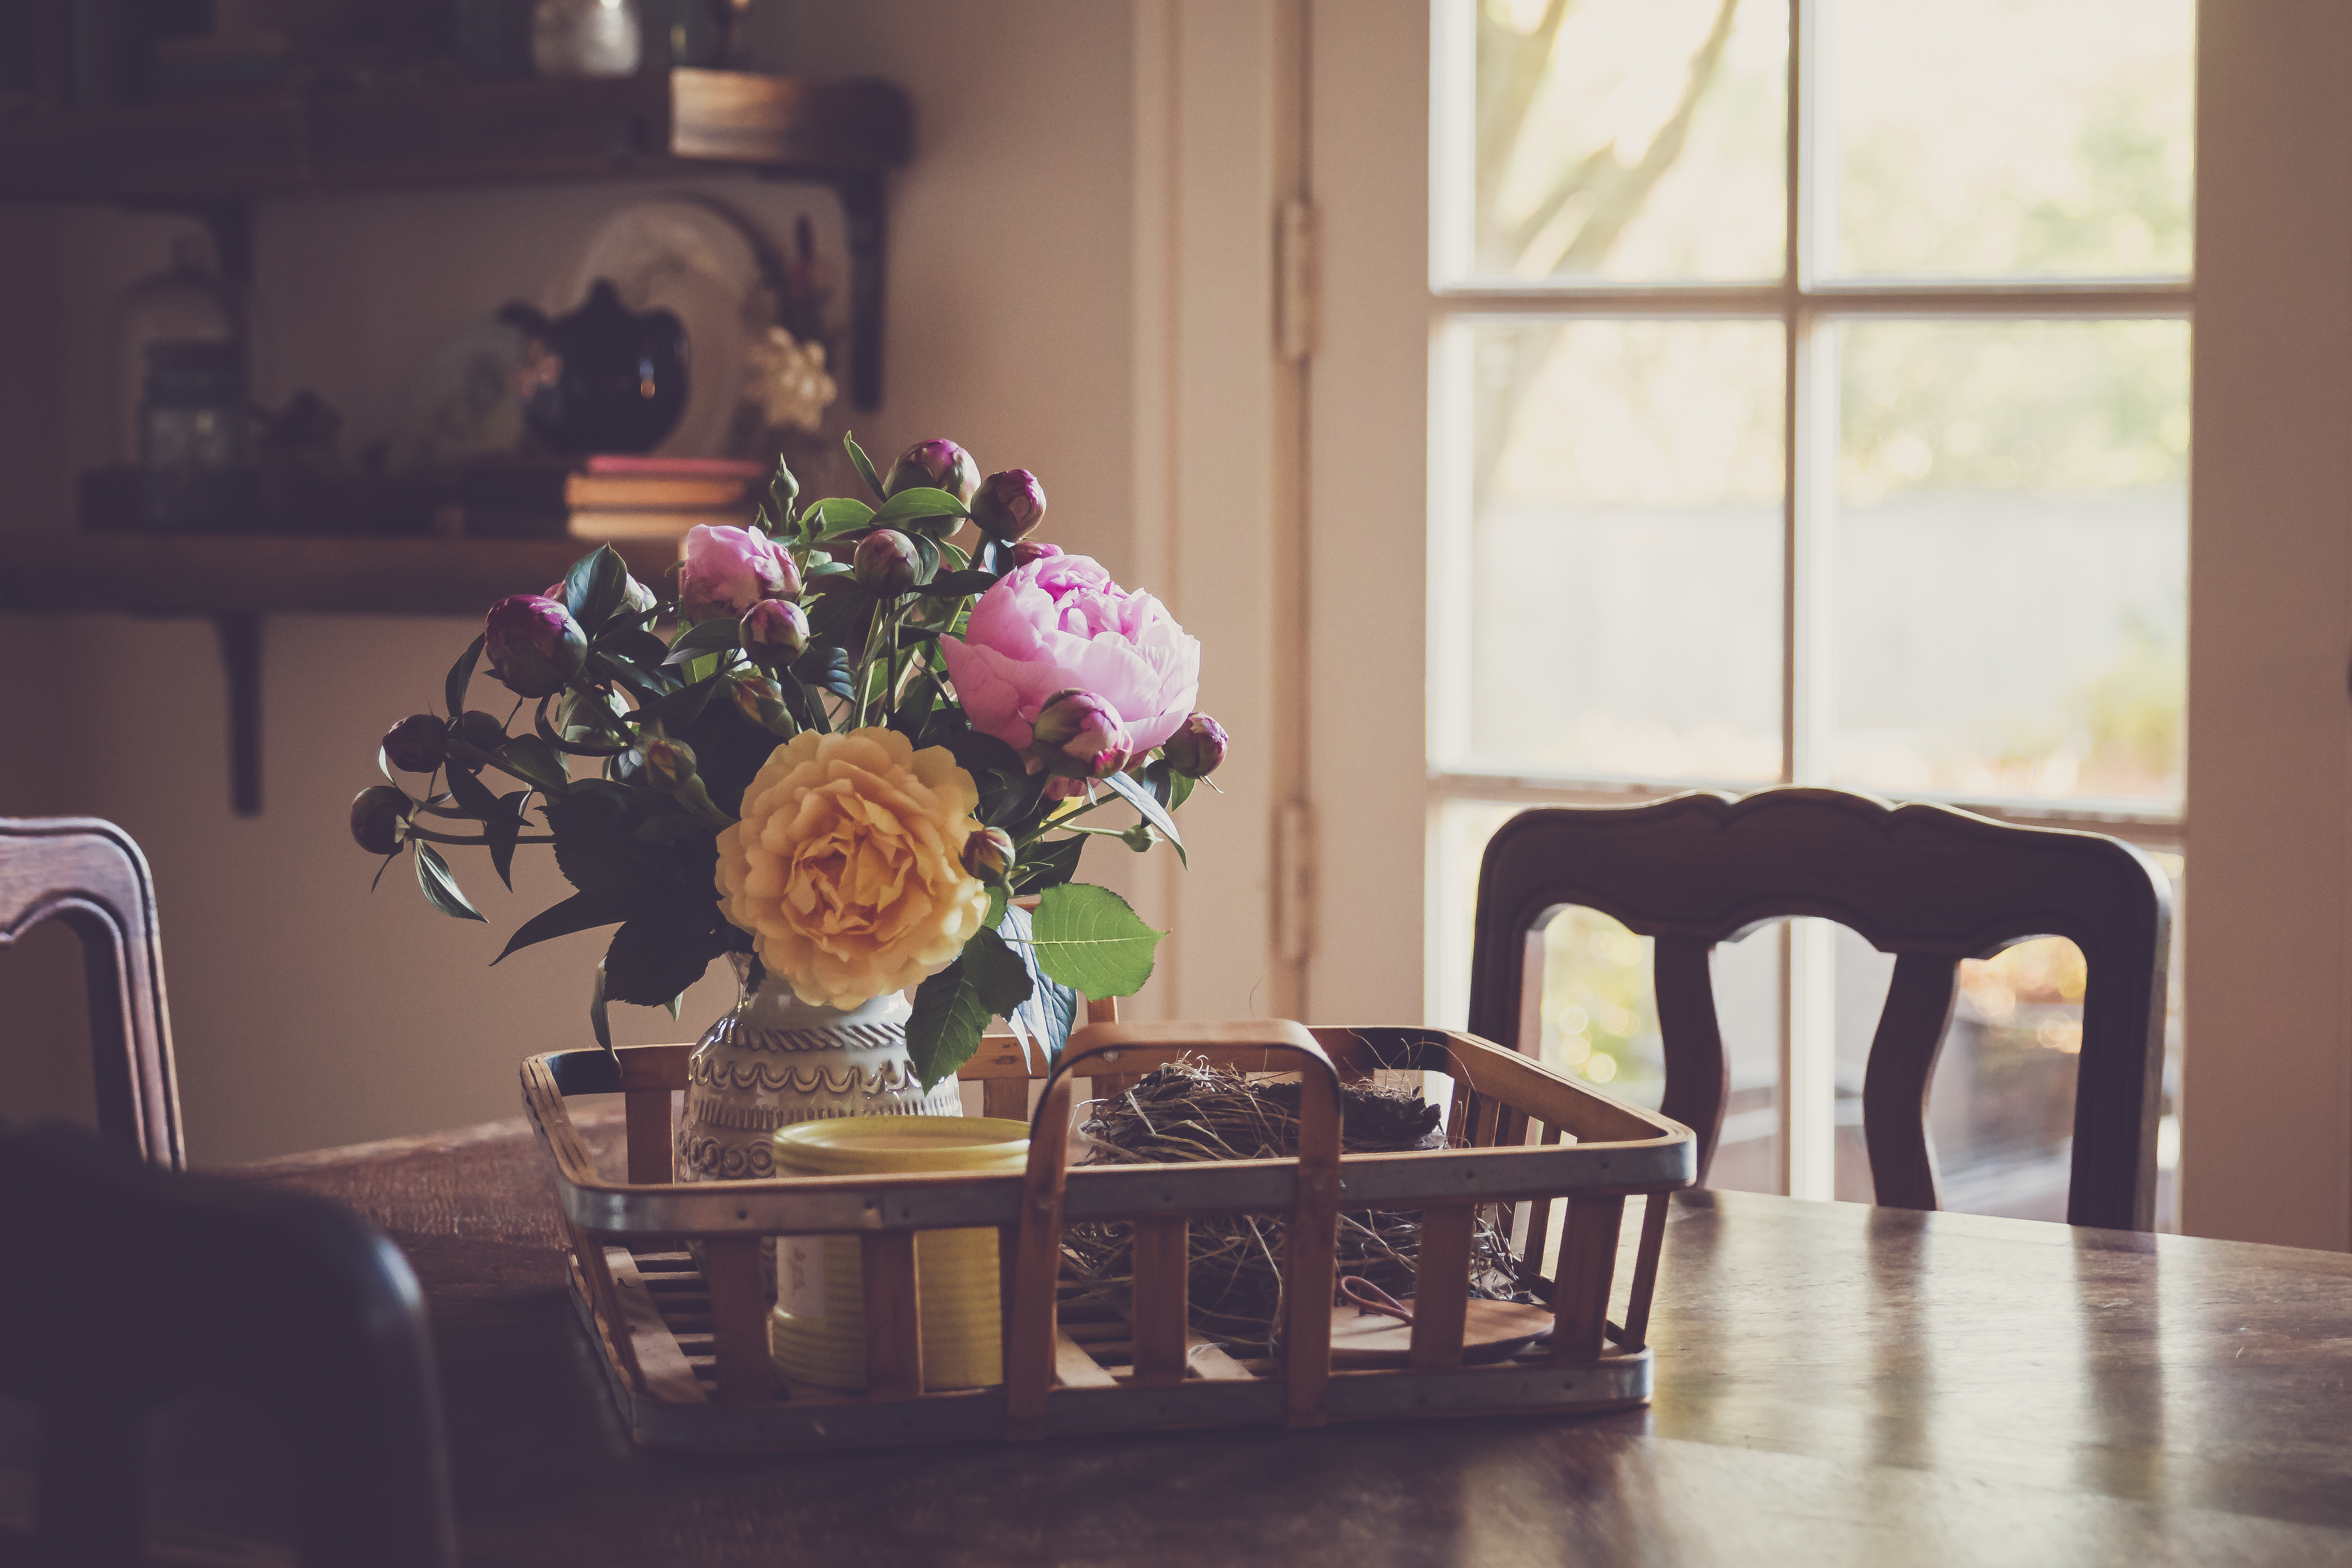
{"x": 599, "y": 497}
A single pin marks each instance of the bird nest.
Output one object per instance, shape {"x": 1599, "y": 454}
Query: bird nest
{"x": 1190, "y": 1111}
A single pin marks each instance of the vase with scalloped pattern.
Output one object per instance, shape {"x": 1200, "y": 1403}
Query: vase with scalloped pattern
{"x": 776, "y": 1060}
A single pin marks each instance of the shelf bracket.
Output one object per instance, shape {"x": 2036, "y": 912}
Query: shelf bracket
{"x": 862, "y": 215}
{"x": 239, "y": 632}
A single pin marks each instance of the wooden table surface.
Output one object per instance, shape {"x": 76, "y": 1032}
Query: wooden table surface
{"x": 1836, "y": 1385}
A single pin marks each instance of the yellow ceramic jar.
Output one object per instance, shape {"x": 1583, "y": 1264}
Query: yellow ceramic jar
{"x": 817, "y": 1333}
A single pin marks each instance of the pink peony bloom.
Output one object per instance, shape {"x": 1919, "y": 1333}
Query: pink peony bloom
{"x": 728, "y": 569}
{"x": 1060, "y": 622}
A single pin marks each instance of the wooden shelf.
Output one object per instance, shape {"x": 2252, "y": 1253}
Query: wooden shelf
{"x": 250, "y": 573}
{"x": 458, "y": 133}
{"x": 213, "y": 156}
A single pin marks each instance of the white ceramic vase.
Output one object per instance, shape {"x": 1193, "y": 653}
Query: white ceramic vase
{"x": 776, "y": 1060}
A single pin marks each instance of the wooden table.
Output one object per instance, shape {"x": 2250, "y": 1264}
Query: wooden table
{"x": 1836, "y": 1385}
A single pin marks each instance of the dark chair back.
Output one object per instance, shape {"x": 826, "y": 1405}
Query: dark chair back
{"x": 90, "y": 875}
{"x": 145, "y": 1284}
{"x": 1929, "y": 884}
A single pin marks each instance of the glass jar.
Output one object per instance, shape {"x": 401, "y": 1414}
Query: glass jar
{"x": 185, "y": 305}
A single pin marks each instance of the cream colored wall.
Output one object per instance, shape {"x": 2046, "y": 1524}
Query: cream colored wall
{"x": 307, "y": 1012}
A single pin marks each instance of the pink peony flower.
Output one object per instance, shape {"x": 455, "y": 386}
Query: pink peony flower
{"x": 728, "y": 569}
{"x": 1060, "y": 622}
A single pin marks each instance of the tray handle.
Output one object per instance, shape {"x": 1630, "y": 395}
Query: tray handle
{"x": 1310, "y": 1239}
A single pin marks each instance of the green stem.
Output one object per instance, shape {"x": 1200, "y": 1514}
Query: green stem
{"x": 416, "y": 832}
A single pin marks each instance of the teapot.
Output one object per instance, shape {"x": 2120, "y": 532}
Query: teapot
{"x": 603, "y": 378}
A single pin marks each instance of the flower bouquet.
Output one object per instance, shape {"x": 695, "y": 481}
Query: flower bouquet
{"x": 842, "y": 745}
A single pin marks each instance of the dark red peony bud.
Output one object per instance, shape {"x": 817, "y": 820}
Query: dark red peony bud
{"x": 941, "y": 465}
{"x": 417, "y": 743}
{"x": 378, "y": 814}
{"x": 534, "y": 645}
{"x": 1195, "y": 750}
{"x": 1029, "y": 552}
{"x": 1077, "y": 735}
{"x": 886, "y": 561}
{"x": 775, "y": 632}
{"x": 1008, "y": 505}
{"x": 989, "y": 854}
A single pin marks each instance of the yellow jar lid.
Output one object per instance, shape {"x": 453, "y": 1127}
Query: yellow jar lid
{"x": 861, "y": 1145}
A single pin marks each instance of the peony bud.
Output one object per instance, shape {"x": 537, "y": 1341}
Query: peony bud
{"x": 417, "y": 743}
{"x": 941, "y": 465}
{"x": 1009, "y": 504}
{"x": 479, "y": 729}
{"x": 783, "y": 490}
{"x": 1196, "y": 749}
{"x": 886, "y": 561}
{"x": 668, "y": 763}
{"x": 378, "y": 814}
{"x": 775, "y": 632}
{"x": 761, "y": 701}
{"x": 1077, "y": 735}
{"x": 1029, "y": 552}
{"x": 534, "y": 645}
{"x": 989, "y": 854}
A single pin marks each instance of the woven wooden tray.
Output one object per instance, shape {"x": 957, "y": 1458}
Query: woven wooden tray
{"x": 686, "y": 1348}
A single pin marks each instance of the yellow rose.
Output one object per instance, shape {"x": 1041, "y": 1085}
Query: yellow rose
{"x": 847, "y": 867}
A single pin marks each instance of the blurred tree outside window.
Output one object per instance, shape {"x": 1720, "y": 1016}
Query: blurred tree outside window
{"x": 1934, "y": 364}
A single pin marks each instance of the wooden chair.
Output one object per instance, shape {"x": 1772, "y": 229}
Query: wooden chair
{"x": 90, "y": 875}
{"x": 1930, "y": 885}
{"x": 145, "y": 1283}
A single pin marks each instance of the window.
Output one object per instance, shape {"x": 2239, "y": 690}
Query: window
{"x": 1809, "y": 404}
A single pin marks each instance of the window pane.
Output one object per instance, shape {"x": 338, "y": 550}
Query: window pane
{"x": 2010, "y": 559}
{"x": 1989, "y": 138}
{"x": 1620, "y": 601}
{"x": 1628, "y": 139}
{"x": 2000, "y": 1108}
{"x": 1599, "y": 1006}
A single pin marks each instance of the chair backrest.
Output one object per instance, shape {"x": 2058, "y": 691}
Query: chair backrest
{"x": 162, "y": 1282}
{"x": 1929, "y": 884}
{"x": 90, "y": 875}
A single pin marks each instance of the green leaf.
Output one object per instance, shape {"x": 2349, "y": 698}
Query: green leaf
{"x": 473, "y": 797}
{"x": 593, "y": 588}
{"x": 528, "y": 757}
{"x": 948, "y": 1019}
{"x": 999, "y": 900}
{"x": 1136, "y": 794}
{"x": 502, "y": 831}
{"x": 580, "y": 912}
{"x": 1050, "y": 1011}
{"x": 1089, "y": 940}
{"x": 957, "y": 585}
{"x": 826, "y": 669}
{"x": 461, "y": 675}
{"x": 557, "y": 744}
{"x": 680, "y": 709}
{"x": 862, "y": 463}
{"x": 714, "y": 636}
{"x": 656, "y": 954}
{"x": 635, "y": 645}
{"x": 597, "y": 1021}
{"x": 837, "y": 515}
{"x": 997, "y": 970}
{"x": 920, "y": 501}
{"x": 441, "y": 890}
{"x": 1049, "y": 865}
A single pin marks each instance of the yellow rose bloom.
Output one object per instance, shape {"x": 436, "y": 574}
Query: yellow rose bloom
{"x": 847, "y": 867}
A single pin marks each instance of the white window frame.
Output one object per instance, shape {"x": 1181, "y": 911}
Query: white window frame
{"x": 1809, "y": 306}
